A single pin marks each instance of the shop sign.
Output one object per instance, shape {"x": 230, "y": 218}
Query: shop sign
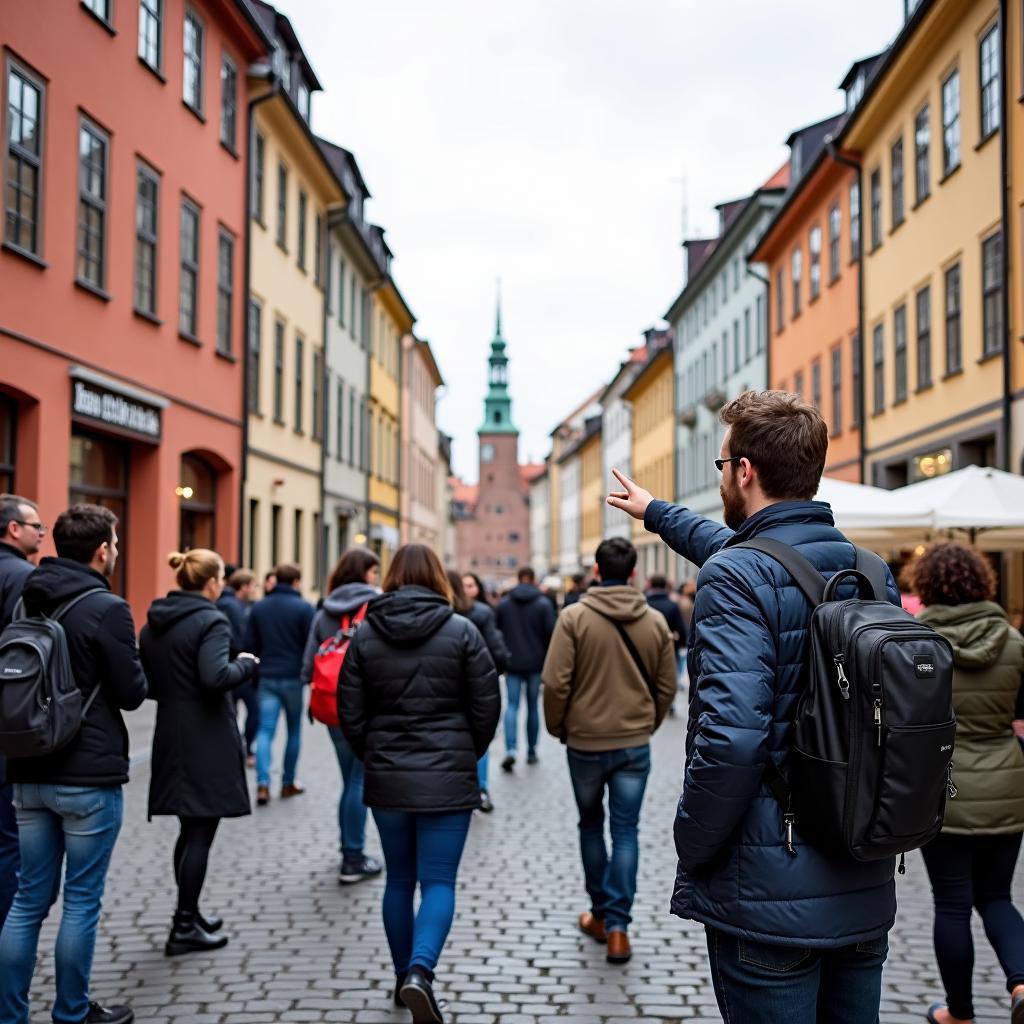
{"x": 123, "y": 413}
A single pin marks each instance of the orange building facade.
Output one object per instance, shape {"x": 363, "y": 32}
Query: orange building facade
{"x": 122, "y": 272}
{"x": 815, "y": 346}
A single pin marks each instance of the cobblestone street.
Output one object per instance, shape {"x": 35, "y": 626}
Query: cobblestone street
{"x": 305, "y": 949}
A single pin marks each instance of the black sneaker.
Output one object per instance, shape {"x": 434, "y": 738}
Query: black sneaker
{"x": 531, "y": 757}
{"x": 486, "y": 804}
{"x": 509, "y": 763}
{"x": 112, "y": 1015}
{"x": 417, "y": 993}
{"x": 359, "y": 868}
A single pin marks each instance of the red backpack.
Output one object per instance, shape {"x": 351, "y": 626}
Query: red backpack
{"x": 323, "y": 693}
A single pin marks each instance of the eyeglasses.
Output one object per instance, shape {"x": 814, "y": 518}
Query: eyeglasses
{"x": 720, "y": 463}
{"x": 38, "y": 527}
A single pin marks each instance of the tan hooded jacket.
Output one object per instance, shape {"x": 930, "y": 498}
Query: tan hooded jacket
{"x": 594, "y": 695}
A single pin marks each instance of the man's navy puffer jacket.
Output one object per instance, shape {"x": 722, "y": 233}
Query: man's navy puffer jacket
{"x": 750, "y": 631}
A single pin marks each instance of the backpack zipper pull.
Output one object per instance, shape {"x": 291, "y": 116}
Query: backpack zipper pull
{"x": 903, "y": 864}
{"x": 878, "y": 719}
{"x": 950, "y": 786}
{"x": 844, "y": 683}
{"x": 788, "y": 820}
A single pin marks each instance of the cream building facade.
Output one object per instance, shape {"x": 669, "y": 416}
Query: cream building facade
{"x": 422, "y": 512}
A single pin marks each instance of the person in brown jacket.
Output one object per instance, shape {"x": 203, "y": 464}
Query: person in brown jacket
{"x": 609, "y": 680}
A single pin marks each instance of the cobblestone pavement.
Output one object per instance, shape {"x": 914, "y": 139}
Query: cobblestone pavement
{"x": 305, "y": 949}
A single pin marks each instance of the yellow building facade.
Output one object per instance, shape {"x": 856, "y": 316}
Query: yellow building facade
{"x": 927, "y": 137}
{"x": 1015, "y": 230}
{"x": 592, "y": 495}
{"x": 651, "y": 397}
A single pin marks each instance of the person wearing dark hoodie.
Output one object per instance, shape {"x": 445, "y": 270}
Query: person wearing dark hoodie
{"x": 418, "y": 700}
{"x": 481, "y": 614}
{"x": 526, "y": 619}
{"x": 235, "y": 601}
{"x": 352, "y": 585}
{"x": 971, "y": 863}
{"x": 198, "y": 768}
{"x": 70, "y": 803}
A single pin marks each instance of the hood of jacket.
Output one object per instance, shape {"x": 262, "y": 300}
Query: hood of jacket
{"x": 58, "y": 580}
{"x": 349, "y": 598}
{"x": 625, "y": 604}
{"x": 407, "y": 617}
{"x": 978, "y": 631}
{"x": 167, "y": 612}
{"x": 525, "y": 592}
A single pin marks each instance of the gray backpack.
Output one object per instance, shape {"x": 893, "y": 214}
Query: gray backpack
{"x": 41, "y": 707}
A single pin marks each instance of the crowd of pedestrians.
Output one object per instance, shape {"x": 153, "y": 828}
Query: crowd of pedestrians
{"x": 404, "y": 673}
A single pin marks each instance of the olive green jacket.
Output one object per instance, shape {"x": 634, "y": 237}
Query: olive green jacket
{"x": 988, "y": 763}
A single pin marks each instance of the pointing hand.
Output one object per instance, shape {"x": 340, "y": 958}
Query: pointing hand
{"x": 633, "y": 500}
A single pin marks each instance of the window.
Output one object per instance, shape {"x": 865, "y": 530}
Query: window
{"x": 992, "y": 294}
{"x": 855, "y": 220}
{"x": 899, "y": 333}
{"x": 922, "y": 142}
{"x": 876, "y": 208}
{"x": 24, "y": 159}
{"x": 780, "y": 310}
{"x": 197, "y": 512}
{"x": 814, "y": 244}
{"x": 225, "y": 289}
{"x": 228, "y": 102}
{"x": 151, "y": 33}
{"x": 798, "y": 383}
{"x": 147, "y": 187}
{"x": 339, "y": 416}
{"x": 282, "y": 206}
{"x": 278, "y": 372}
{"x": 856, "y": 359}
{"x": 275, "y": 534}
{"x": 193, "y": 66}
{"x": 816, "y": 383}
{"x": 297, "y": 536}
{"x": 8, "y": 450}
{"x": 747, "y": 340}
{"x": 303, "y": 202}
{"x": 318, "y": 396}
{"x": 258, "y": 161}
{"x": 254, "y": 521}
{"x": 923, "y": 304}
{"x": 318, "y": 241}
{"x": 988, "y": 63}
{"x": 101, "y": 8}
{"x": 837, "y": 390}
{"x": 797, "y": 272}
{"x": 954, "y": 343}
{"x": 878, "y": 354}
{"x": 834, "y": 229}
{"x": 735, "y": 346}
{"x": 352, "y": 428}
{"x": 762, "y": 325}
{"x": 253, "y": 353}
{"x": 92, "y": 204}
{"x": 896, "y": 182}
{"x": 951, "y": 123}
{"x": 299, "y": 374}
{"x": 188, "y": 290}
{"x": 303, "y": 103}
{"x": 341, "y": 293}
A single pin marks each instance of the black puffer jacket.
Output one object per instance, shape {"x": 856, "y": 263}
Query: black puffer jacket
{"x": 418, "y": 700}
{"x": 198, "y": 765}
{"x": 482, "y": 616}
{"x": 526, "y": 619}
{"x": 101, "y": 644}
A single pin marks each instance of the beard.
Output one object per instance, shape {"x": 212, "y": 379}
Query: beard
{"x": 735, "y": 512}
{"x": 108, "y": 567}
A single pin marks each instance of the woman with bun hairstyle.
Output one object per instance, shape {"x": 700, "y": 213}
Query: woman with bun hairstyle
{"x": 198, "y": 765}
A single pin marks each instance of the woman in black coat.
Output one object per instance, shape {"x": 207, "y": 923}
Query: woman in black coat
{"x": 418, "y": 701}
{"x": 198, "y": 765}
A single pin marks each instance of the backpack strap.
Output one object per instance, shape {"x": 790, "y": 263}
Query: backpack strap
{"x": 806, "y": 577}
{"x": 875, "y": 569}
{"x": 634, "y": 654}
{"x": 59, "y": 614}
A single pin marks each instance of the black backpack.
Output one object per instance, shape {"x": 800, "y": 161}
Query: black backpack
{"x": 871, "y": 760}
{"x": 41, "y": 706}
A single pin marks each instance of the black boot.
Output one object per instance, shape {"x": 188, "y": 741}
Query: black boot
{"x": 109, "y": 1014}
{"x": 399, "y": 982}
{"x": 418, "y": 995}
{"x": 189, "y": 936}
{"x": 209, "y": 924}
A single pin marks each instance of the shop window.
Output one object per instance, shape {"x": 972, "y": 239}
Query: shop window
{"x": 8, "y": 419}
{"x": 99, "y": 476}
{"x": 197, "y": 492}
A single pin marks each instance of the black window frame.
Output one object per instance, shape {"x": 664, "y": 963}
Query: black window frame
{"x": 151, "y": 12}
{"x": 816, "y": 383}
{"x": 876, "y": 208}
{"x": 814, "y": 263}
{"x": 835, "y": 231}
{"x": 253, "y": 352}
{"x": 951, "y": 134}
{"x": 878, "y": 368}
{"x": 989, "y": 102}
{"x": 318, "y": 263}
{"x": 341, "y": 291}
{"x": 21, "y": 157}
{"x": 897, "y": 207}
{"x": 300, "y": 382}
{"x": 87, "y": 201}
{"x": 301, "y": 215}
{"x": 189, "y": 268}
{"x": 198, "y": 61}
{"x": 281, "y": 229}
{"x": 922, "y": 154}
{"x": 279, "y": 339}
{"x": 748, "y": 340}
{"x": 836, "y": 359}
{"x": 225, "y": 291}
{"x": 147, "y": 240}
{"x": 796, "y": 273}
{"x": 901, "y": 381}
{"x": 318, "y": 395}
{"x": 780, "y": 300}
{"x": 228, "y": 103}
{"x": 952, "y": 305}
{"x": 856, "y": 378}
{"x": 259, "y": 157}
{"x": 923, "y": 333}
{"x": 106, "y": 17}
{"x": 339, "y": 419}
{"x": 993, "y": 327}
{"x": 855, "y": 220}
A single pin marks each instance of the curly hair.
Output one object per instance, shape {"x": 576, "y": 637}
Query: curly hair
{"x": 951, "y": 573}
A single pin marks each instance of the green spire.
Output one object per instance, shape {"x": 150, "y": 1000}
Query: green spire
{"x": 498, "y": 404}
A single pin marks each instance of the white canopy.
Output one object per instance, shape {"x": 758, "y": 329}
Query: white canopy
{"x": 861, "y": 510}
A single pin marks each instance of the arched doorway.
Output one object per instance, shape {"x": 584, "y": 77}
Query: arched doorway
{"x": 197, "y": 492}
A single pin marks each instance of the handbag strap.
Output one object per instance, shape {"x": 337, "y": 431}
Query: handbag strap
{"x": 627, "y": 640}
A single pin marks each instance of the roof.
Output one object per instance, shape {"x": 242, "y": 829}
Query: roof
{"x": 780, "y": 179}
{"x": 595, "y": 397}
{"x": 697, "y": 252}
{"x": 531, "y": 471}
{"x": 591, "y": 429}
{"x": 466, "y": 494}
{"x": 866, "y": 64}
{"x": 814, "y": 135}
{"x": 653, "y": 361}
{"x": 343, "y": 160}
{"x": 275, "y": 23}
{"x": 424, "y": 349}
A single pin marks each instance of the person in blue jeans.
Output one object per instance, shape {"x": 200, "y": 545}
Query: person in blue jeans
{"x": 418, "y": 701}
{"x": 609, "y": 681}
{"x": 276, "y": 633}
{"x": 526, "y": 619}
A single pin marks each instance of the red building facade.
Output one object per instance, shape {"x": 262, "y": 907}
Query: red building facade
{"x": 122, "y": 272}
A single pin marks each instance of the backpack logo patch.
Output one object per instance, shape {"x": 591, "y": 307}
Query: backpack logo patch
{"x": 924, "y": 666}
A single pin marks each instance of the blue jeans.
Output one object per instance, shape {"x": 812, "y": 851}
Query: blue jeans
{"x": 9, "y": 856}
{"x": 79, "y": 824}
{"x": 248, "y": 695}
{"x": 483, "y": 772}
{"x": 351, "y": 810}
{"x": 277, "y": 695}
{"x": 514, "y": 685}
{"x": 610, "y": 881}
{"x": 424, "y": 849}
{"x": 792, "y": 985}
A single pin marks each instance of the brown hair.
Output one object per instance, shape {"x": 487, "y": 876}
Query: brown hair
{"x": 459, "y": 600}
{"x": 526, "y": 575}
{"x": 951, "y": 573}
{"x": 241, "y": 578}
{"x": 416, "y": 565}
{"x": 288, "y": 574}
{"x": 193, "y": 569}
{"x": 81, "y": 530}
{"x": 352, "y": 567}
{"x": 784, "y": 438}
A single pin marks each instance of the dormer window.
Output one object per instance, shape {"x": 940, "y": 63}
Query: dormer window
{"x": 304, "y": 100}
{"x": 855, "y": 92}
{"x": 796, "y": 153}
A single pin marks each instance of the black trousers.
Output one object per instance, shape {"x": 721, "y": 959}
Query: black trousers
{"x": 191, "y": 856}
{"x": 974, "y": 872}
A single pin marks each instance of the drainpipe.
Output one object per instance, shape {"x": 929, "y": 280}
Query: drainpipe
{"x": 1004, "y": 164}
{"x": 250, "y": 126}
{"x": 768, "y": 325}
{"x": 859, "y": 168}
{"x": 325, "y": 277}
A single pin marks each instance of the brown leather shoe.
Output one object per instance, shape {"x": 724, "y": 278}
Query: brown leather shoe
{"x": 292, "y": 789}
{"x": 593, "y": 927}
{"x": 619, "y": 951}
{"x": 262, "y": 796}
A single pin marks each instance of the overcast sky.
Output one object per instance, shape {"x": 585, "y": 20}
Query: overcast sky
{"x": 542, "y": 141}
